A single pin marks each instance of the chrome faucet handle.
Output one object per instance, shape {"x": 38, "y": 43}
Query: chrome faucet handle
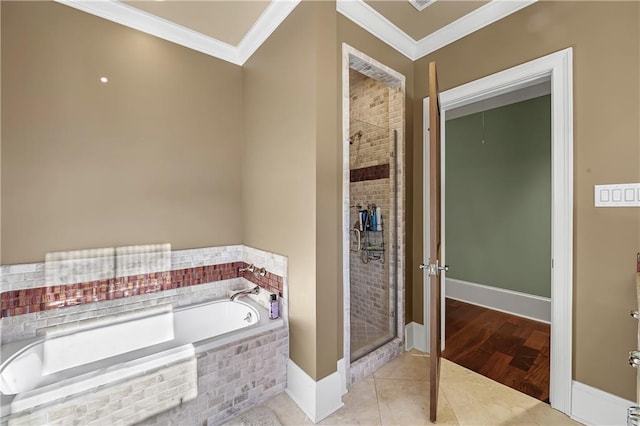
{"x": 634, "y": 359}
{"x": 262, "y": 272}
{"x": 249, "y": 268}
{"x": 635, "y": 314}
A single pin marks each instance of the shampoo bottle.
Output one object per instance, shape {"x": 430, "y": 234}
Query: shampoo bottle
{"x": 379, "y": 219}
{"x": 373, "y": 219}
{"x": 274, "y": 309}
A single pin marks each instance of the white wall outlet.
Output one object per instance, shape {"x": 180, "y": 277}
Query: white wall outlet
{"x": 617, "y": 195}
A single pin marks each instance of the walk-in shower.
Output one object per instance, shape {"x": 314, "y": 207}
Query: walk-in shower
{"x": 375, "y": 115}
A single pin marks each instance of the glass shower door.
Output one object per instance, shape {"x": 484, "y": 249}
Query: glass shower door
{"x": 373, "y": 224}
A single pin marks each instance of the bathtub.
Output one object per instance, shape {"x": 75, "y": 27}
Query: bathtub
{"x": 75, "y": 361}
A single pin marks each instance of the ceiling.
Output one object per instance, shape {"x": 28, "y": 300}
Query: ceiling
{"x": 227, "y": 21}
{"x": 419, "y": 24}
{"x": 233, "y": 29}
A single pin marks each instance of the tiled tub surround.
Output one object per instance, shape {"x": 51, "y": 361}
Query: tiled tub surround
{"x": 197, "y": 275}
{"x": 126, "y": 402}
{"x": 158, "y": 346}
{"x": 232, "y": 379}
{"x": 19, "y": 302}
{"x": 28, "y": 300}
{"x": 187, "y": 283}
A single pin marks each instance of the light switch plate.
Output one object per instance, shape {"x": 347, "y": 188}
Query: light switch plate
{"x": 617, "y": 195}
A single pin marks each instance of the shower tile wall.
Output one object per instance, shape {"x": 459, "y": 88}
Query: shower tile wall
{"x": 375, "y": 110}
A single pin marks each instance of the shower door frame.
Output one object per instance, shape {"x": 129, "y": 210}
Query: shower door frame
{"x": 378, "y": 71}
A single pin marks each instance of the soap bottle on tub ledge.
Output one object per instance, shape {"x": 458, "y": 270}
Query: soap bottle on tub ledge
{"x": 274, "y": 308}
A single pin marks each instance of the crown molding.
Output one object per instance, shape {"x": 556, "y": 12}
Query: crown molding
{"x": 131, "y": 17}
{"x": 137, "y": 19}
{"x": 368, "y": 18}
{"x": 356, "y": 10}
{"x": 469, "y": 23}
{"x": 271, "y": 18}
{"x": 371, "y": 20}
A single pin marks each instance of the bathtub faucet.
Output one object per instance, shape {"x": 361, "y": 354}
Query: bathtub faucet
{"x": 250, "y": 268}
{"x": 236, "y": 294}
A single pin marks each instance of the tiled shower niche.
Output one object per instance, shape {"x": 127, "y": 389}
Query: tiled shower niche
{"x": 375, "y": 114}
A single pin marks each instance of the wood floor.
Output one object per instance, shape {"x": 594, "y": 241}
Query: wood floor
{"x": 508, "y": 349}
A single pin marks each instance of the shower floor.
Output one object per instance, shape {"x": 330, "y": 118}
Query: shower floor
{"x": 366, "y": 337}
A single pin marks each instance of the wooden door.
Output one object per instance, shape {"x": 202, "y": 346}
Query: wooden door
{"x": 434, "y": 243}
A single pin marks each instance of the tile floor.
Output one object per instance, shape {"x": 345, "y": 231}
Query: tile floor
{"x": 398, "y": 393}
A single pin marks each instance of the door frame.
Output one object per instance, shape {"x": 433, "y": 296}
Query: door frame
{"x": 556, "y": 68}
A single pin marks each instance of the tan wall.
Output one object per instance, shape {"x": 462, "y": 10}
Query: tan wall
{"x": 296, "y": 64}
{"x": 356, "y": 37}
{"x": 328, "y": 191}
{"x": 152, "y": 156}
{"x": 279, "y": 177}
{"x": 605, "y": 37}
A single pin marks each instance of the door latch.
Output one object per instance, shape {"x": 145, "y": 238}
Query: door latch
{"x": 434, "y": 268}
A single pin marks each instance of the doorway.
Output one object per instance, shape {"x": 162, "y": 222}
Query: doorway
{"x": 556, "y": 69}
{"x": 498, "y": 236}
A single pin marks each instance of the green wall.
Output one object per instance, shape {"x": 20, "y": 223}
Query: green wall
{"x": 498, "y": 197}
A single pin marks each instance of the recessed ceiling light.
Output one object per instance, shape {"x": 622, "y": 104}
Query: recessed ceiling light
{"x": 104, "y": 80}
{"x": 421, "y": 4}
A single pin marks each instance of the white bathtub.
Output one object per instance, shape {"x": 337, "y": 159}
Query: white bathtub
{"x": 40, "y": 371}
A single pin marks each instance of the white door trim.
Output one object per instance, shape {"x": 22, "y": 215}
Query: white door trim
{"x": 557, "y": 68}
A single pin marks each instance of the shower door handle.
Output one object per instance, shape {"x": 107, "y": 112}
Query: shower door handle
{"x": 356, "y": 232}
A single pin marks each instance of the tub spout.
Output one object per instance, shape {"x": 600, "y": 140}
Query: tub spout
{"x": 236, "y": 294}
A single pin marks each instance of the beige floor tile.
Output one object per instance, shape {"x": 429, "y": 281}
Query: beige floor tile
{"x": 406, "y": 402}
{"x": 287, "y": 412}
{"x": 409, "y": 366}
{"x": 360, "y": 406}
{"x": 398, "y": 394}
{"x": 477, "y": 400}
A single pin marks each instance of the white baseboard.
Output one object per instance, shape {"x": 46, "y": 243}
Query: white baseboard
{"x": 593, "y": 406}
{"x": 408, "y": 337}
{"x": 342, "y": 371}
{"x": 524, "y": 305}
{"x": 415, "y": 337}
{"x": 316, "y": 399}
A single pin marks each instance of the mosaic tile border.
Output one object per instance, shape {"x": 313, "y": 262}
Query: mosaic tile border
{"x": 37, "y": 299}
